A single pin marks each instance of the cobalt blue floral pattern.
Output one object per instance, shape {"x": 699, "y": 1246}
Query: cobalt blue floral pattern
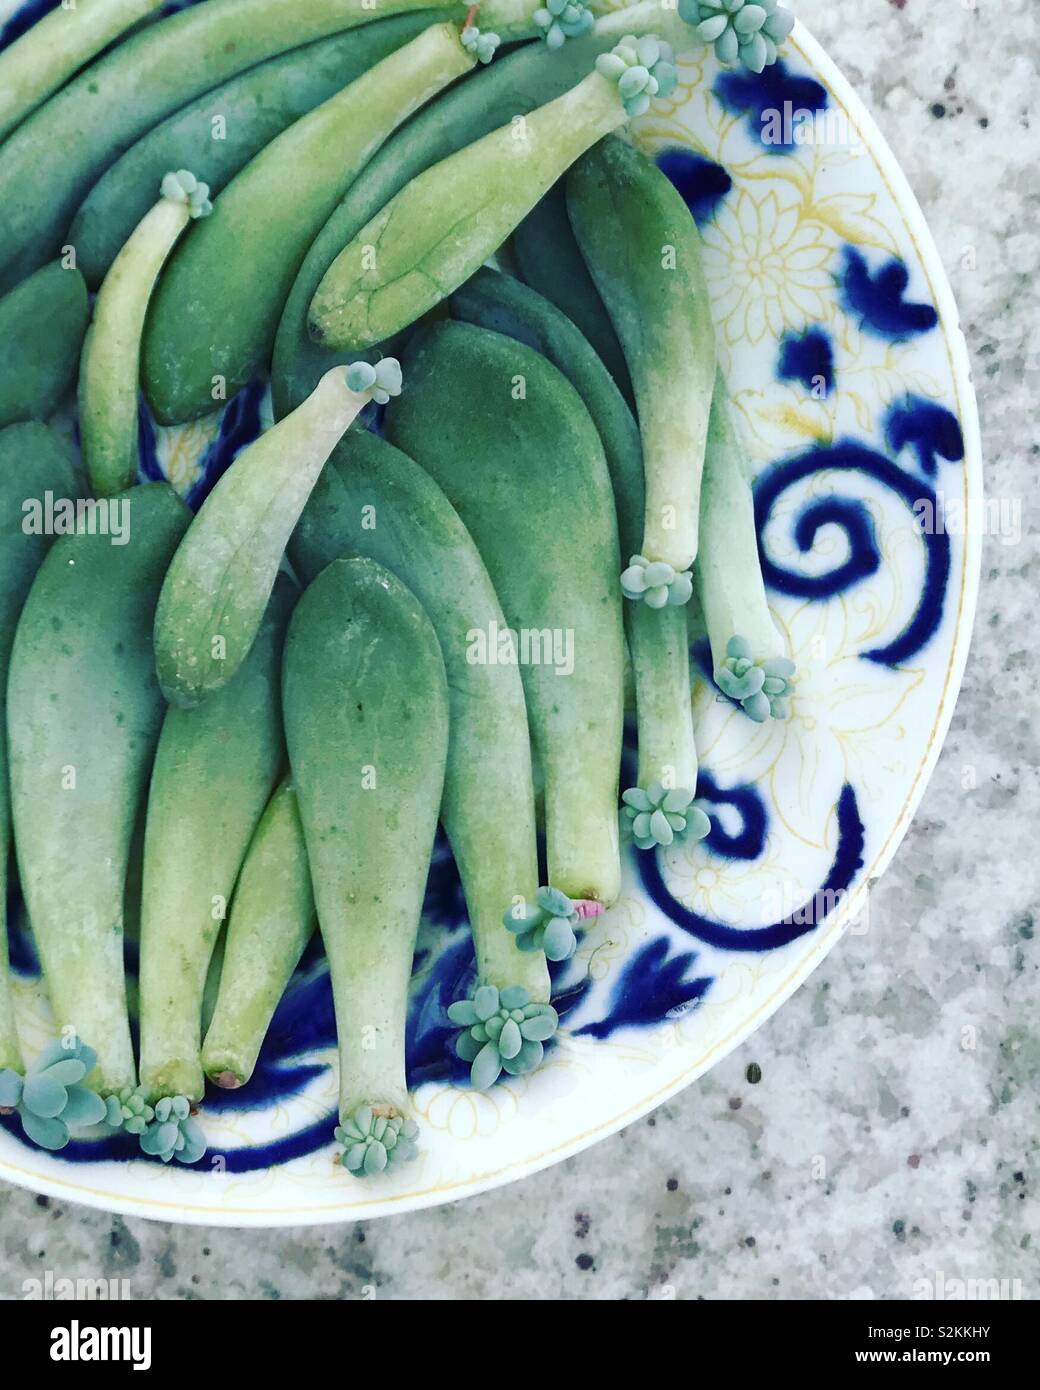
{"x": 864, "y": 556}
{"x": 757, "y": 96}
{"x": 702, "y": 183}
{"x": 877, "y": 298}
{"x": 807, "y": 358}
{"x": 653, "y": 985}
{"x": 929, "y": 429}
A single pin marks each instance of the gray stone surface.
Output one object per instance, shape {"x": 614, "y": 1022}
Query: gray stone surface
{"x": 893, "y": 1134}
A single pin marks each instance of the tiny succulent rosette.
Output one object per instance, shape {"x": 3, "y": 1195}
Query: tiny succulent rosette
{"x": 129, "y": 1110}
{"x": 661, "y": 815}
{"x": 49, "y": 1099}
{"x": 376, "y": 1138}
{"x": 560, "y": 20}
{"x": 181, "y": 186}
{"x": 172, "y": 1133}
{"x": 380, "y": 381}
{"x": 481, "y": 43}
{"x": 503, "y": 1031}
{"x": 642, "y": 68}
{"x": 745, "y": 31}
{"x": 548, "y": 924}
{"x": 656, "y": 583}
{"x": 763, "y": 689}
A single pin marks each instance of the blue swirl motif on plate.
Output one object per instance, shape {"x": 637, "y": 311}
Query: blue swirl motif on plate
{"x": 770, "y": 936}
{"x": 925, "y": 428}
{"x": 864, "y": 557}
{"x": 750, "y": 841}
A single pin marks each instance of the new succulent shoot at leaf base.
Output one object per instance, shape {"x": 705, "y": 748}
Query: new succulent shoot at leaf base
{"x": 740, "y": 31}
{"x": 366, "y": 720}
{"x": 444, "y": 224}
{"x": 502, "y": 1031}
{"x": 50, "y": 1099}
{"x": 215, "y": 593}
{"x": 488, "y": 808}
{"x": 748, "y": 654}
{"x": 84, "y": 712}
{"x": 110, "y": 365}
{"x": 482, "y": 46}
{"x": 173, "y": 1134}
{"x": 560, "y": 20}
{"x": 548, "y": 924}
{"x": 53, "y": 1103}
{"x": 656, "y": 583}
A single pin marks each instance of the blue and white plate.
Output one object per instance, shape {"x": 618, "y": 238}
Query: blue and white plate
{"x": 841, "y": 343}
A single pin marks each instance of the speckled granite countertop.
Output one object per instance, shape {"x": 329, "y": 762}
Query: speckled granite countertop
{"x": 876, "y": 1149}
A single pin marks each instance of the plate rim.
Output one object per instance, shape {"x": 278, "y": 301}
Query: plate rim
{"x": 184, "y": 1213}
